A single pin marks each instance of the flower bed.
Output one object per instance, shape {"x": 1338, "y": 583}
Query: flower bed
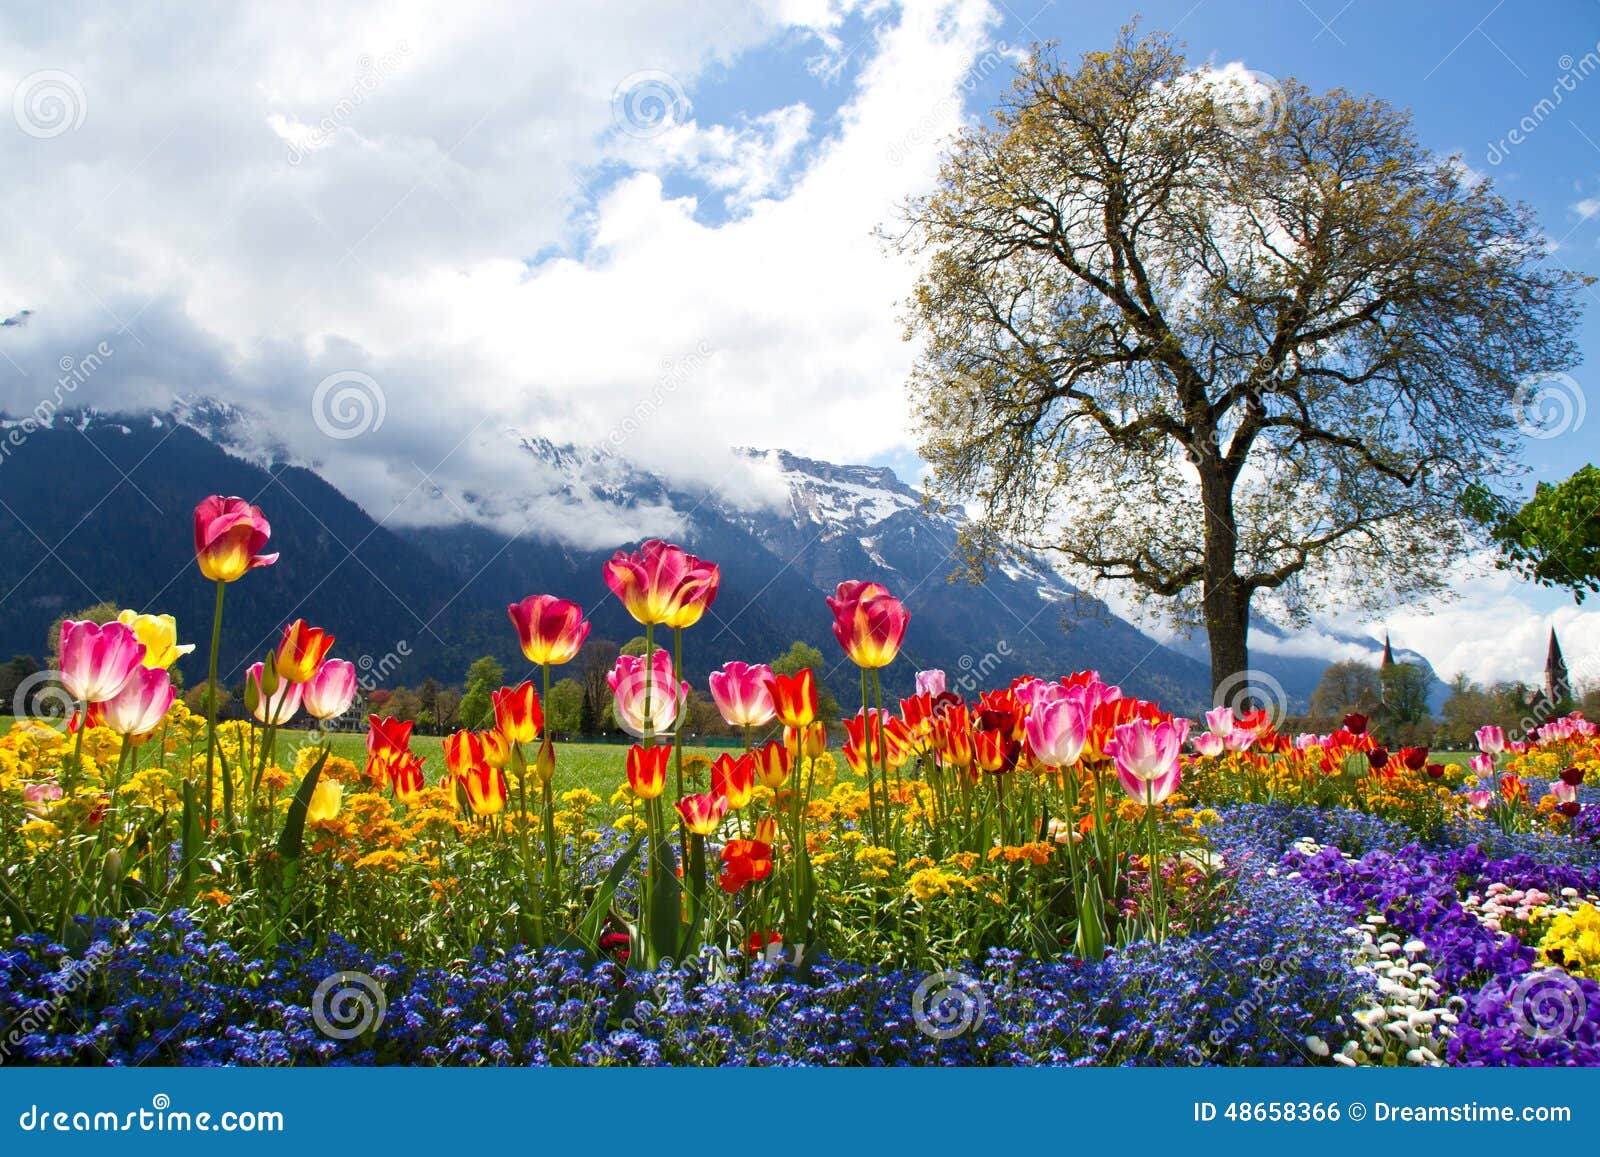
{"x": 1050, "y": 873}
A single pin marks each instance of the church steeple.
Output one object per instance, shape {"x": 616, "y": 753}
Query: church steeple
{"x": 1557, "y": 683}
{"x": 1388, "y": 654}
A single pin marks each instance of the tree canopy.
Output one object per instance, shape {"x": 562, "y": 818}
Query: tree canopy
{"x": 1216, "y": 339}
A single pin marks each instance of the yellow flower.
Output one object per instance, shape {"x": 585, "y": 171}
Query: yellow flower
{"x": 216, "y": 896}
{"x": 384, "y": 859}
{"x": 1573, "y": 941}
{"x": 325, "y": 800}
{"x": 930, "y": 883}
{"x": 159, "y": 634}
{"x": 871, "y": 857}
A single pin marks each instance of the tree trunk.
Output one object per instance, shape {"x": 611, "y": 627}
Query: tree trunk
{"x": 1226, "y": 600}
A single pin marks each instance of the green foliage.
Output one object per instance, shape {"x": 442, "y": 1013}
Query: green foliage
{"x": 564, "y": 709}
{"x": 483, "y": 679}
{"x": 1405, "y": 693}
{"x": 1346, "y": 686}
{"x": 634, "y": 646}
{"x": 1554, "y": 539}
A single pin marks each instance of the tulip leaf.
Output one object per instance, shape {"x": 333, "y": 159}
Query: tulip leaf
{"x": 666, "y": 906}
{"x": 594, "y": 920}
{"x": 294, "y": 824}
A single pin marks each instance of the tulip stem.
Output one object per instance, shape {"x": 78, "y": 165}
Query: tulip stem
{"x": 77, "y": 752}
{"x": 677, "y": 737}
{"x": 211, "y": 717}
{"x": 552, "y": 867}
{"x": 1156, "y": 897}
{"x": 866, "y": 756}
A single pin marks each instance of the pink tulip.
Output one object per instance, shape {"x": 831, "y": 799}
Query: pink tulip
{"x": 1146, "y": 756}
{"x": 228, "y": 534}
{"x": 1208, "y": 744}
{"x": 97, "y": 659}
{"x": 1482, "y": 764}
{"x": 1057, "y": 730}
{"x": 284, "y": 702}
{"x": 1480, "y": 799}
{"x": 869, "y": 623}
{"x": 741, "y": 694}
{"x": 662, "y": 583}
{"x": 667, "y": 697}
{"x": 1564, "y": 792}
{"x": 1220, "y": 721}
{"x": 331, "y": 690}
{"x": 141, "y": 704}
{"x": 1036, "y": 692}
{"x": 930, "y": 683}
{"x": 1491, "y": 740}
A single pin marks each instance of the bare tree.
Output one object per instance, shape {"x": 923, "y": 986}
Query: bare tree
{"x": 1214, "y": 337}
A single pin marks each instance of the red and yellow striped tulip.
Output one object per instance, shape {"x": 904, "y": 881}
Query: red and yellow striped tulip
{"x": 773, "y": 762}
{"x": 655, "y": 582}
{"x": 496, "y": 747}
{"x": 517, "y": 713}
{"x": 301, "y": 651}
{"x": 485, "y": 788}
{"x": 702, "y": 813}
{"x": 545, "y": 765}
{"x": 794, "y": 697}
{"x": 734, "y": 779}
{"x": 647, "y": 770}
{"x": 462, "y": 749}
{"x": 405, "y": 776}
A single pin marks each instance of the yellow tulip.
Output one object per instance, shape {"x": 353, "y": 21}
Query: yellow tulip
{"x": 159, "y": 634}
{"x": 326, "y": 798}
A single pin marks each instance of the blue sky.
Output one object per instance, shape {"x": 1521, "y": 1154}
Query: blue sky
{"x": 652, "y": 227}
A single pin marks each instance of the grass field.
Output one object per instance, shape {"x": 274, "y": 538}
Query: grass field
{"x": 596, "y": 766}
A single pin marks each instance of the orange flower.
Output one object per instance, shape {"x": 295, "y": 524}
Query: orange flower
{"x": 301, "y": 651}
{"x": 545, "y": 765}
{"x": 517, "y": 712}
{"x": 702, "y": 813}
{"x": 744, "y": 862}
{"x": 794, "y": 697}
{"x": 734, "y": 779}
{"x": 647, "y": 770}
{"x": 485, "y": 788}
{"x": 809, "y": 741}
{"x": 772, "y": 764}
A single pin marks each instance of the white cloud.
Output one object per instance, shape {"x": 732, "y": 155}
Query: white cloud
{"x": 445, "y": 202}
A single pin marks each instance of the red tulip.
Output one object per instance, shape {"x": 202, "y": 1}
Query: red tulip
{"x": 405, "y": 776}
{"x": 656, "y": 582}
{"x": 496, "y": 747}
{"x": 388, "y": 740}
{"x": 301, "y": 651}
{"x": 869, "y": 623}
{"x": 228, "y": 534}
{"x": 551, "y": 630}
{"x": 744, "y": 862}
{"x": 517, "y": 713}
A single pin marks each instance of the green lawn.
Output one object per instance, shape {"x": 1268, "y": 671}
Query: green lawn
{"x": 596, "y": 766}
